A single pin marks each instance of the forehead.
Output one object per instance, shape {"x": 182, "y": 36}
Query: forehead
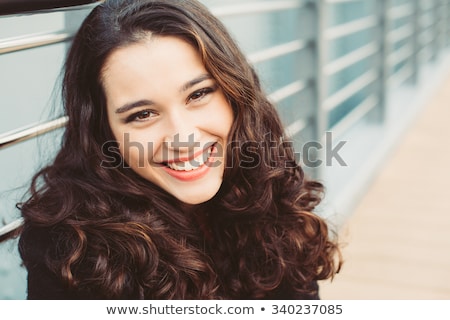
{"x": 155, "y": 56}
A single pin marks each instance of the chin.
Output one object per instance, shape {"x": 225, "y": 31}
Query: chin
{"x": 197, "y": 198}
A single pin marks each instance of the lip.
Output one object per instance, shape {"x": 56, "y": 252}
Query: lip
{"x": 191, "y": 175}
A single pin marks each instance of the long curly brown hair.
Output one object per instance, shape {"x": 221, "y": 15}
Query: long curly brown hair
{"x": 119, "y": 235}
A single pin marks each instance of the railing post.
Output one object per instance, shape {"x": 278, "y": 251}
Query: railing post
{"x": 384, "y": 67}
{"x": 415, "y": 38}
{"x": 420, "y": 29}
{"x": 447, "y": 33}
{"x": 441, "y": 8}
{"x": 447, "y": 22}
{"x": 436, "y": 29}
{"x": 321, "y": 116}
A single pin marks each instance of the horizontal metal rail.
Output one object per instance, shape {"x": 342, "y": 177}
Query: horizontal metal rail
{"x": 355, "y": 115}
{"x": 426, "y": 54}
{"x": 277, "y": 51}
{"x": 74, "y": 8}
{"x": 426, "y": 21}
{"x": 287, "y": 91}
{"x": 33, "y": 41}
{"x": 351, "y": 27}
{"x": 296, "y": 127}
{"x": 426, "y": 38}
{"x": 11, "y": 226}
{"x": 401, "y": 75}
{"x": 351, "y": 58}
{"x": 13, "y": 137}
{"x": 400, "y": 33}
{"x": 349, "y": 90}
{"x": 401, "y": 11}
{"x": 400, "y": 55}
{"x": 257, "y": 7}
{"x": 341, "y": 1}
{"x": 426, "y": 5}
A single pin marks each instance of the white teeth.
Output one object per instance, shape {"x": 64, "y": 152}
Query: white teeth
{"x": 191, "y": 164}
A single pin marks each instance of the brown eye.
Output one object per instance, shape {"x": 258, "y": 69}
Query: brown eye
{"x": 199, "y": 94}
{"x": 196, "y": 95}
{"x": 143, "y": 115}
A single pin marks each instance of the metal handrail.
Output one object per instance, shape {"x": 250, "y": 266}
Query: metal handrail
{"x": 287, "y": 91}
{"x": 341, "y": 1}
{"x": 351, "y": 58}
{"x": 349, "y": 90}
{"x": 426, "y": 21}
{"x": 11, "y": 226}
{"x": 400, "y": 55}
{"x": 425, "y": 6}
{"x": 400, "y": 33}
{"x": 425, "y": 54}
{"x": 277, "y": 51}
{"x": 257, "y": 7}
{"x": 355, "y": 115}
{"x": 401, "y": 75}
{"x": 425, "y": 39}
{"x": 296, "y": 127}
{"x": 351, "y": 27}
{"x": 34, "y": 41}
{"x": 401, "y": 11}
{"x": 13, "y": 137}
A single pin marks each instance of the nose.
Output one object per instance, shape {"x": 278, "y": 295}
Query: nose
{"x": 182, "y": 134}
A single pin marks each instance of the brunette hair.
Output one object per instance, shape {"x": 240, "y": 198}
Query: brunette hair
{"x": 120, "y": 235}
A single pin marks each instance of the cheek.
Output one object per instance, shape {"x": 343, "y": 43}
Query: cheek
{"x": 221, "y": 118}
{"x": 226, "y": 122}
{"x": 136, "y": 149}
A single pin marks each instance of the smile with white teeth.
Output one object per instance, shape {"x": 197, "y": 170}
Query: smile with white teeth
{"x": 190, "y": 164}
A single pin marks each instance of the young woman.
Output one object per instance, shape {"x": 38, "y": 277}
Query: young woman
{"x": 175, "y": 179}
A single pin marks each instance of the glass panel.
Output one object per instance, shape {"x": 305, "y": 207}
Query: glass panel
{"x": 28, "y": 91}
{"x": 27, "y": 85}
{"x": 259, "y": 31}
{"x": 15, "y": 26}
{"x": 297, "y": 106}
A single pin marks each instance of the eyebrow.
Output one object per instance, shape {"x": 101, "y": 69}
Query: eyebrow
{"x": 132, "y": 105}
{"x": 129, "y": 106}
{"x": 195, "y": 81}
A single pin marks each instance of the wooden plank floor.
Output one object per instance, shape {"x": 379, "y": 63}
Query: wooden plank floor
{"x": 398, "y": 239}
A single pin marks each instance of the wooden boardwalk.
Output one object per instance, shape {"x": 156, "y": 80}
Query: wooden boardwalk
{"x": 397, "y": 243}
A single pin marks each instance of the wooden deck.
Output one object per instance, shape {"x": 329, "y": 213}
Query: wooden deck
{"x": 397, "y": 243}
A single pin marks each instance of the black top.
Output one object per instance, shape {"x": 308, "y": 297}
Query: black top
{"x": 43, "y": 284}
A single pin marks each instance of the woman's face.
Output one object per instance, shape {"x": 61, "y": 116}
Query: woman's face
{"x": 169, "y": 116}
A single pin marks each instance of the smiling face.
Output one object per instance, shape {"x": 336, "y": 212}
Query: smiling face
{"x": 168, "y": 115}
